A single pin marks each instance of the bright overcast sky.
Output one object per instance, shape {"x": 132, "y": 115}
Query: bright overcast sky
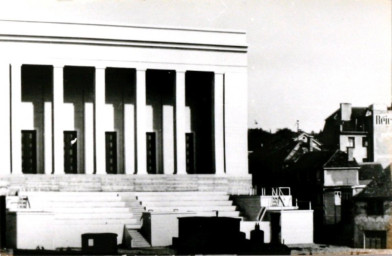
{"x": 305, "y": 56}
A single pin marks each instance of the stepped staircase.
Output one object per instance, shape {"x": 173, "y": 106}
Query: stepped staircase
{"x": 201, "y": 203}
{"x": 117, "y": 212}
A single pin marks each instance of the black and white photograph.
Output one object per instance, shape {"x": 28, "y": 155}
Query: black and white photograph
{"x": 195, "y": 127}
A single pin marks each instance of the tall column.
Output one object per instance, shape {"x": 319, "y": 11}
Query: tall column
{"x": 99, "y": 102}
{"x": 16, "y": 115}
{"x": 180, "y": 123}
{"x": 141, "y": 157}
{"x": 5, "y": 140}
{"x": 218, "y": 123}
{"x": 58, "y": 117}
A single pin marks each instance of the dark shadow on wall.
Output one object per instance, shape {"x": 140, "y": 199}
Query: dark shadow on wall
{"x": 159, "y": 92}
{"x": 37, "y": 84}
{"x": 120, "y": 89}
{"x": 199, "y": 98}
{"x": 79, "y": 84}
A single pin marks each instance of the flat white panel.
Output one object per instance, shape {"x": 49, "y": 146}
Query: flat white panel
{"x": 100, "y": 120}
{"x": 188, "y": 119}
{"x": 218, "y": 124}
{"x": 149, "y": 118}
{"x": 48, "y": 136}
{"x": 89, "y": 138}
{"x": 109, "y": 117}
{"x": 236, "y": 147}
{"x": 129, "y": 138}
{"x": 27, "y": 116}
{"x": 168, "y": 139}
{"x": 5, "y": 142}
{"x": 16, "y": 124}
{"x": 68, "y": 118}
{"x": 141, "y": 121}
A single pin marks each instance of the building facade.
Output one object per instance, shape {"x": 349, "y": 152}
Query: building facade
{"x": 110, "y": 99}
{"x": 364, "y": 132}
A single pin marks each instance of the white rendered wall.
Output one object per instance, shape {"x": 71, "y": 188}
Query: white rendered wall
{"x": 236, "y": 142}
{"x": 89, "y": 138}
{"x": 341, "y": 177}
{"x": 129, "y": 138}
{"x": 297, "y": 227}
{"x": 5, "y": 141}
{"x": 359, "y": 152}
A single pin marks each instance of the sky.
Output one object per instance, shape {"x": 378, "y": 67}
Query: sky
{"x": 305, "y": 56}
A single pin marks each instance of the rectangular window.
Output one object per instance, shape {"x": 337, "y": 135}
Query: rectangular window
{"x": 351, "y": 142}
{"x": 364, "y": 142}
{"x": 190, "y": 152}
{"x": 151, "y": 146}
{"x": 70, "y": 152}
{"x": 375, "y": 239}
{"x": 29, "y": 151}
{"x": 111, "y": 152}
{"x": 375, "y": 207}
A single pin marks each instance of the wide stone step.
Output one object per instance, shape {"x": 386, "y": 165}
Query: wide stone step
{"x": 204, "y": 208}
{"x": 164, "y": 203}
{"x": 72, "y": 221}
{"x": 220, "y": 214}
{"x": 57, "y": 194}
{"x": 93, "y": 210}
{"x": 86, "y": 204}
{"x": 180, "y": 193}
{"x": 89, "y": 215}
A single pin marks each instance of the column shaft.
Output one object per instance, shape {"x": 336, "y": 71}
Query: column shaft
{"x": 180, "y": 123}
{"x": 58, "y": 117}
{"x": 218, "y": 123}
{"x": 5, "y": 140}
{"x": 141, "y": 122}
{"x": 100, "y": 157}
{"x": 16, "y": 115}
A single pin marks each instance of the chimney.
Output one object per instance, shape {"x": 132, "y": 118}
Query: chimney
{"x": 310, "y": 143}
{"x": 350, "y": 154}
{"x": 345, "y": 111}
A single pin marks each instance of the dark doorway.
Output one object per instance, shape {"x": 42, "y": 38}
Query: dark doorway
{"x": 29, "y": 151}
{"x": 375, "y": 239}
{"x": 151, "y": 146}
{"x": 111, "y": 152}
{"x": 190, "y": 152}
{"x": 275, "y": 227}
{"x": 70, "y": 152}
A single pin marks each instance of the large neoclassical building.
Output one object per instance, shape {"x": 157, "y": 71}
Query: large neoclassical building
{"x": 98, "y": 99}
{"x": 101, "y": 124}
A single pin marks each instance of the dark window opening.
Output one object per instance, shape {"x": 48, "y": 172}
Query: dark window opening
{"x": 190, "y": 153}
{"x": 364, "y": 142}
{"x": 29, "y": 151}
{"x": 375, "y": 207}
{"x": 111, "y": 152}
{"x": 151, "y": 153}
{"x": 70, "y": 152}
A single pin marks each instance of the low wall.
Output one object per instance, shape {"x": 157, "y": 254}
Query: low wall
{"x": 160, "y": 228}
{"x": 297, "y": 226}
{"x": 30, "y": 229}
{"x": 27, "y": 229}
{"x": 241, "y": 185}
